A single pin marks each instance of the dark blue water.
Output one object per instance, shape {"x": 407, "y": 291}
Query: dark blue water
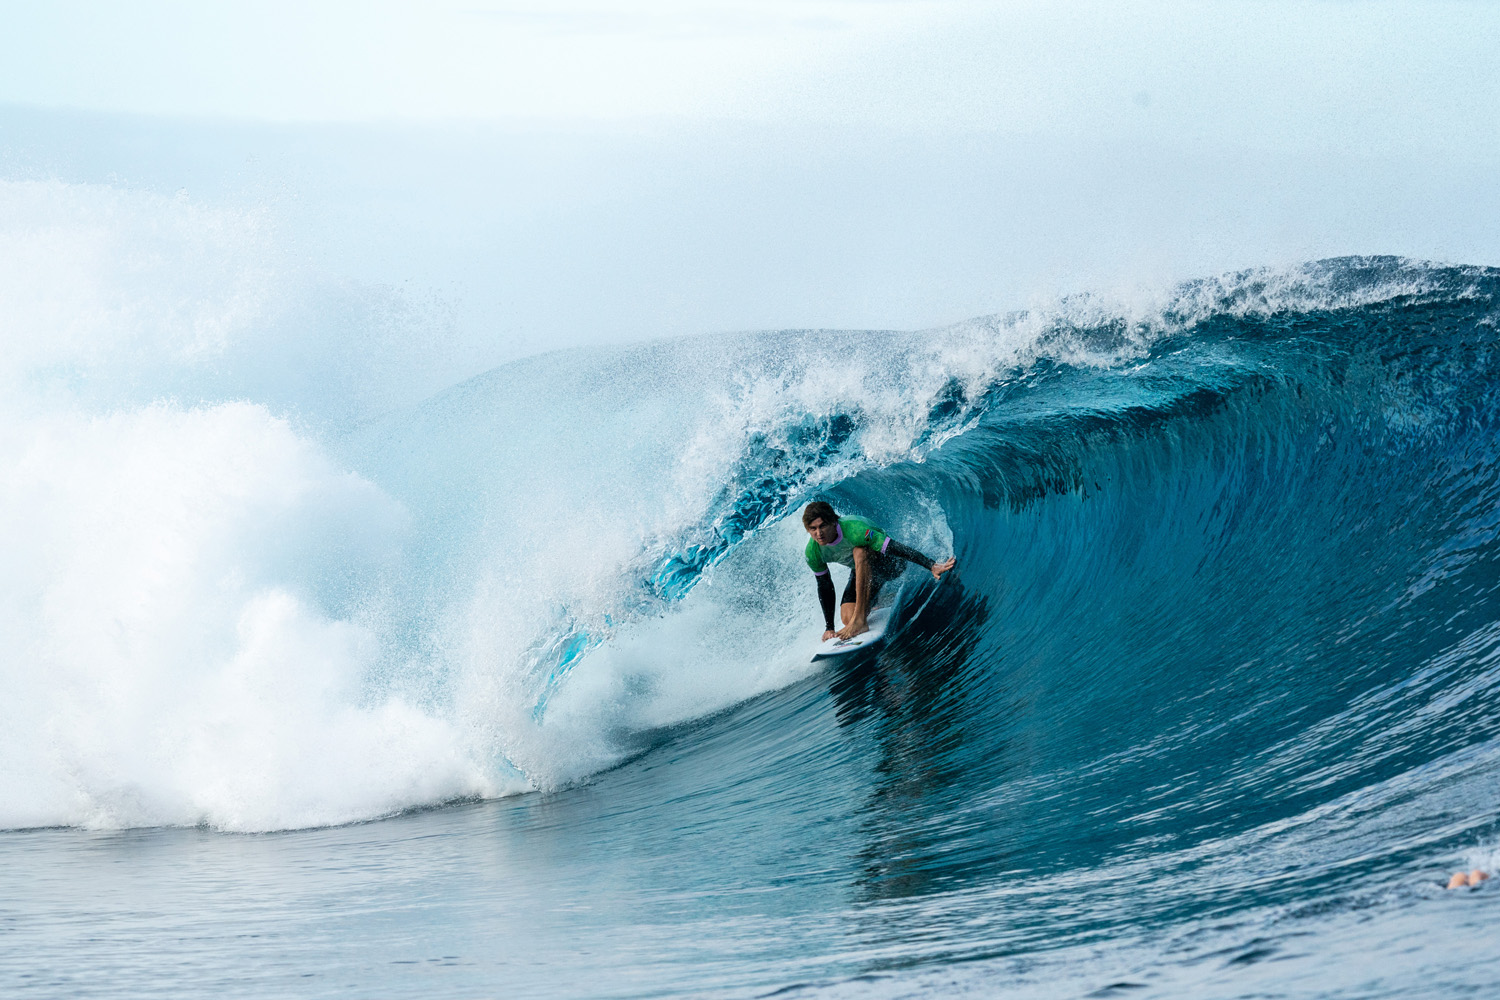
{"x": 1208, "y": 709}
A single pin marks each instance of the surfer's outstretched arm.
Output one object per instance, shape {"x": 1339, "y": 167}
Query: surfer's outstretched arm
{"x": 911, "y": 555}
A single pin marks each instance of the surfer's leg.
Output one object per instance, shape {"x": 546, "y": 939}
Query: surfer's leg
{"x": 851, "y": 595}
{"x": 883, "y": 569}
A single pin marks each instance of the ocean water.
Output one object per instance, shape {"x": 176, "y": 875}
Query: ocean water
{"x": 320, "y": 687}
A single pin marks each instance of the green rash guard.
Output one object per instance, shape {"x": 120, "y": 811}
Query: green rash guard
{"x": 853, "y": 534}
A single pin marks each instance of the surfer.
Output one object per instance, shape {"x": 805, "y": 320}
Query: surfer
{"x": 873, "y": 557}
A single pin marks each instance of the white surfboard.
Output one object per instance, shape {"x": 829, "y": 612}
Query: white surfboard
{"x": 876, "y": 619}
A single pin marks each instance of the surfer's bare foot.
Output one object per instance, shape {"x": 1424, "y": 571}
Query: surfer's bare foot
{"x": 853, "y": 629}
{"x": 829, "y": 634}
{"x": 938, "y": 569}
{"x": 1462, "y": 880}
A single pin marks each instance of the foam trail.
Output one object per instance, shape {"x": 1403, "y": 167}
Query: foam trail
{"x": 177, "y": 651}
{"x": 190, "y": 595}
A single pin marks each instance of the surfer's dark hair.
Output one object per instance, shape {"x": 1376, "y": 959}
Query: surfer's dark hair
{"x": 817, "y": 509}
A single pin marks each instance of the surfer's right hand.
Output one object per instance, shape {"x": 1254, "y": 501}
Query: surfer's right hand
{"x": 938, "y": 569}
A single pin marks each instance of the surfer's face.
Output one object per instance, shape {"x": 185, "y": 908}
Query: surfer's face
{"x": 823, "y": 531}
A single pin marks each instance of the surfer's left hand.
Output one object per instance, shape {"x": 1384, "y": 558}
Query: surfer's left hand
{"x": 938, "y": 569}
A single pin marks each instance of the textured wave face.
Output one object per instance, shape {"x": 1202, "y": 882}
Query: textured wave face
{"x": 1222, "y": 639}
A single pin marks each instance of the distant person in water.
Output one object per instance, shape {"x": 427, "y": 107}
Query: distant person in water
{"x": 1465, "y": 880}
{"x": 873, "y": 558}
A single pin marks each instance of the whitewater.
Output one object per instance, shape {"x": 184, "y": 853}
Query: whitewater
{"x": 336, "y": 677}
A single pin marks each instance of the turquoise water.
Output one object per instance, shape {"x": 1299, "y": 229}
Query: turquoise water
{"x": 507, "y": 693}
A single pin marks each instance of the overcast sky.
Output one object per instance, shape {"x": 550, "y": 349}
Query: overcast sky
{"x": 572, "y": 172}
{"x": 1379, "y": 75}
